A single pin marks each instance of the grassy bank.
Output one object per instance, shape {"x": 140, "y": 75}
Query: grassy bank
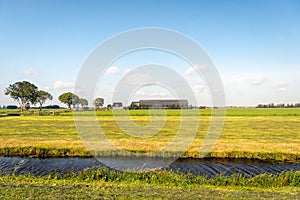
{"x": 188, "y": 112}
{"x": 201, "y": 112}
{"x": 104, "y": 184}
{"x": 262, "y": 136}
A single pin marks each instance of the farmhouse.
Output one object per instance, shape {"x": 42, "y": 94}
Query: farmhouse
{"x": 135, "y": 104}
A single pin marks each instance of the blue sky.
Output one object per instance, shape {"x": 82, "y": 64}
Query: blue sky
{"x": 255, "y": 45}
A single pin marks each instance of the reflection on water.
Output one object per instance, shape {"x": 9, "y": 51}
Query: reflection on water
{"x": 39, "y": 167}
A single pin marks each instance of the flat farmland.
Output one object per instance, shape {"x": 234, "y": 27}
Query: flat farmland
{"x": 266, "y": 134}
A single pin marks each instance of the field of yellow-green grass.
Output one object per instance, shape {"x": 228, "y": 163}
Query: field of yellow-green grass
{"x": 266, "y": 134}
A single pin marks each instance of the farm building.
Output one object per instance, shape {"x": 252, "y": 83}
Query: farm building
{"x": 163, "y": 103}
{"x": 135, "y": 104}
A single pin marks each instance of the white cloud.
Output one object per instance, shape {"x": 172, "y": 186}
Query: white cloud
{"x": 140, "y": 93}
{"x": 158, "y": 94}
{"x": 128, "y": 70}
{"x": 144, "y": 94}
{"x": 282, "y": 87}
{"x": 112, "y": 70}
{"x": 30, "y": 72}
{"x": 45, "y": 88}
{"x": 191, "y": 70}
{"x": 258, "y": 80}
{"x": 63, "y": 85}
{"x": 198, "y": 88}
{"x": 137, "y": 79}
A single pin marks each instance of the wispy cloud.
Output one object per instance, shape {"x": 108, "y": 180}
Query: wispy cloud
{"x": 258, "y": 80}
{"x": 198, "y": 88}
{"x": 30, "y": 72}
{"x": 112, "y": 70}
{"x": 128, "y": 70}
{"x": 63, "y": 85}
{"x": 144, "y": 94}
{"x": 137, "y": 79}
{"x": 158, "y": 94}
{"x": 45, "y": 88}
{"x": 191, "y": 70}
{"x": 282, "y": 87}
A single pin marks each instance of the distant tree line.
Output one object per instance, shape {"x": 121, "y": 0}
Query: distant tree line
{"x": 27, "y": 94}
{"x": 282, "y": 105}
{"x": 11, "y": 107}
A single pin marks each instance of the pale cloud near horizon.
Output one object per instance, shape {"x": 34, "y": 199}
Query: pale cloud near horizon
{"x": 112, "y": 70}
{"x": 158, "y": 94}
{"x": 143, "y": 94}
{"x": 258, "y": 80}
{"x": 189, "y": 71}
{"x": 45, "y": 88}
{"x": 63, "y": 85}
{"x": 128, "y": 70}
{"x": 198, "y": 88}
{"x": 30, "y": 72}
{"x": 282, "y": 87}
{"x": 137, "y": 79}
{"x": 193, "y": 69}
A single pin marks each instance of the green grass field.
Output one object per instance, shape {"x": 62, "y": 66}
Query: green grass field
{"x": 202, "y": 112}
{"x": 104, "y": 184}
{"x": 267, "y": 134}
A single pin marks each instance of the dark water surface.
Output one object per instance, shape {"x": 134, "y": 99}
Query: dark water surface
{"x": 39, "y": 167}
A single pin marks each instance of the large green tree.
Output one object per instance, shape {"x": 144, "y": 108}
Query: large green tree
{"x": 42, "y": 97}
{"x": 23, "y": 92}
{"x": 98, "y": 102}
{"x": 69, "y": 98}
{"x": 83, "y": 102}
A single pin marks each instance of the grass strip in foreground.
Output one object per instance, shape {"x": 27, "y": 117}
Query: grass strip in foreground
{"x": 105, "y": 184}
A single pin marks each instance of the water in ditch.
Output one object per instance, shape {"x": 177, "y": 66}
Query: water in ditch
{"x": 204, "y": 167}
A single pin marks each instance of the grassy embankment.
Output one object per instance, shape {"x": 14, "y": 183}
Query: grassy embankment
{"x": 105, "y": 184}
{"x": 267, "y": 134}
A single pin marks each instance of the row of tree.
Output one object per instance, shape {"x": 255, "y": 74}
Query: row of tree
{"x": 282, "y": 105}
{"x": 26, "y": 93}
{"x": 71, "y": 99}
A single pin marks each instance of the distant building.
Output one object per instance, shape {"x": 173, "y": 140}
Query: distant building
{"x": 117, "y": 106}
{"x": 135, "y": 104}
{"x": 163, "y": 103}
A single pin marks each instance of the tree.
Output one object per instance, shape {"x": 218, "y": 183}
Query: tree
{"x": 23, "y": 92}
{"x": 109, "y": 106}
{"x": 98, "y": 102}
{"x": 69, "y": 98}
{"x": 75, "y": 100}
{"x": 83, "y": 102}
{"x": 42, "y": 97}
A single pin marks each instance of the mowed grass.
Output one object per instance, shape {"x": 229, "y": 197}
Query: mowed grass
{"x": 107, "y": 184}
{"x": 197, "y": 112}
{"x": 267, "y": 134}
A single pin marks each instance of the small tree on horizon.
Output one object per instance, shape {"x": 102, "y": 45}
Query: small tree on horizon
{"x": 83, "y": 102}
{"x": 98, "y": 102}
{"x": 69, "y": 98}
{"x": 42, "y": 97}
